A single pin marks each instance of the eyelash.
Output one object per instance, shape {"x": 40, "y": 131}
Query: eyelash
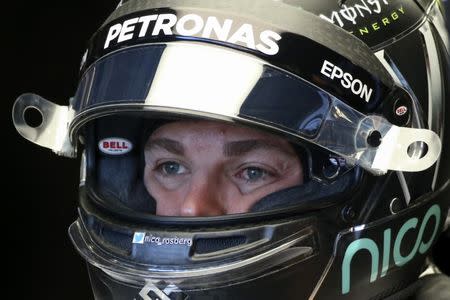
{"x": 266, "y": 174}
{"x": 160, "y": 168}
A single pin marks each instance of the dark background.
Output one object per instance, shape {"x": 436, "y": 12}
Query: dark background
{"x": 44, "y": 41}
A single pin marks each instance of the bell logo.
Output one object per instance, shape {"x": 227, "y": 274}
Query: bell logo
{"x": 422, "y": 245}
{"x": 401, "y": 110}
{"x": 115, "y": 146}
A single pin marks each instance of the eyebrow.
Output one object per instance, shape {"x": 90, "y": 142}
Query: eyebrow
{"x": 243, "y": 147}
{"x": 236, "y": 148}
{"x": 167, "y": 144}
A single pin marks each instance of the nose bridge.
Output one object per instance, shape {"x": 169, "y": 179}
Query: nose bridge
{"x": 202, "y": 197}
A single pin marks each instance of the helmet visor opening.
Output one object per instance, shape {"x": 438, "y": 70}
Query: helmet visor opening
{"x": 159, "y": 166}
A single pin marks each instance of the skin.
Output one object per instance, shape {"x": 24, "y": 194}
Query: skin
{"x": 206, "y": 168}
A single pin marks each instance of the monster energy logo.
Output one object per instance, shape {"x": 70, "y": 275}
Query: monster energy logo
{"x": 352, "y": 13}
{"x": 399, "y": 259}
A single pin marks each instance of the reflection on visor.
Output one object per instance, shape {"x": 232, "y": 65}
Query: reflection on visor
{"x": 181, "y": 78}
{"x": 125, "y": 76}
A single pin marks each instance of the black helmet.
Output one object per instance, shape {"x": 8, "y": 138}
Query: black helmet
{"x": 370, "y": 128}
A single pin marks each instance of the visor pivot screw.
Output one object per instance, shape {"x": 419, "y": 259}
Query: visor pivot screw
{"x": 348, "y": 214}
{"x": 374, "y": 139}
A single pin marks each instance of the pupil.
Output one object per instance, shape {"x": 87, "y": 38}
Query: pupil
{"x": 171, "y": 168}
{"x": 254, "y": 173}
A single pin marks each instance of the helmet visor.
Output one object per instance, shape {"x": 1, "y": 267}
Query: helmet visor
{"x": 208, "y": 81}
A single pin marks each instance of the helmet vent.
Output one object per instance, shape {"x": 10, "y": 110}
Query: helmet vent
{"x": 204, "y": 246}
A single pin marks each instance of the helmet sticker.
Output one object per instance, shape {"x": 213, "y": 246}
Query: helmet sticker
{"x": 193, "y": 25}
{"x": 354, "y": 12}
{"x": 151, "y": 292}
{"x": 138, "y": 237}
{"x": 115, "y": 146}
{"x": 391, "y": 247}
{"x": 357, "y": 13}
{"x": 348, "y": 81}
{"x": 142, "y": 237}
{"x": 400, "y": 111}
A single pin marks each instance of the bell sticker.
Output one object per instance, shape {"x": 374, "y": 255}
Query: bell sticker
{"x": 400, "y": 111}
{"x": 115, "y": 146}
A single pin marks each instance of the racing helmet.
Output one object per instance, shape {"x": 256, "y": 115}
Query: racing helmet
{"x": 371, "y": 129}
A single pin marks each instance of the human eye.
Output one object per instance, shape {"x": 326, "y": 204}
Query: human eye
{"x": 254, "y": 174}
{"x": 171, "y": 168}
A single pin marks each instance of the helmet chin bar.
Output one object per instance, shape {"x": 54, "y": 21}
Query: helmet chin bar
{"x": 300, "y": 244}
{"x": 368, "y": 141}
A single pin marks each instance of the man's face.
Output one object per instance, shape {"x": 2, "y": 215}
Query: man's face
{"x": 205, "y": 168}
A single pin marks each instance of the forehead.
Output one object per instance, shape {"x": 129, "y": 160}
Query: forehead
{"x": 185, "y": 131}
